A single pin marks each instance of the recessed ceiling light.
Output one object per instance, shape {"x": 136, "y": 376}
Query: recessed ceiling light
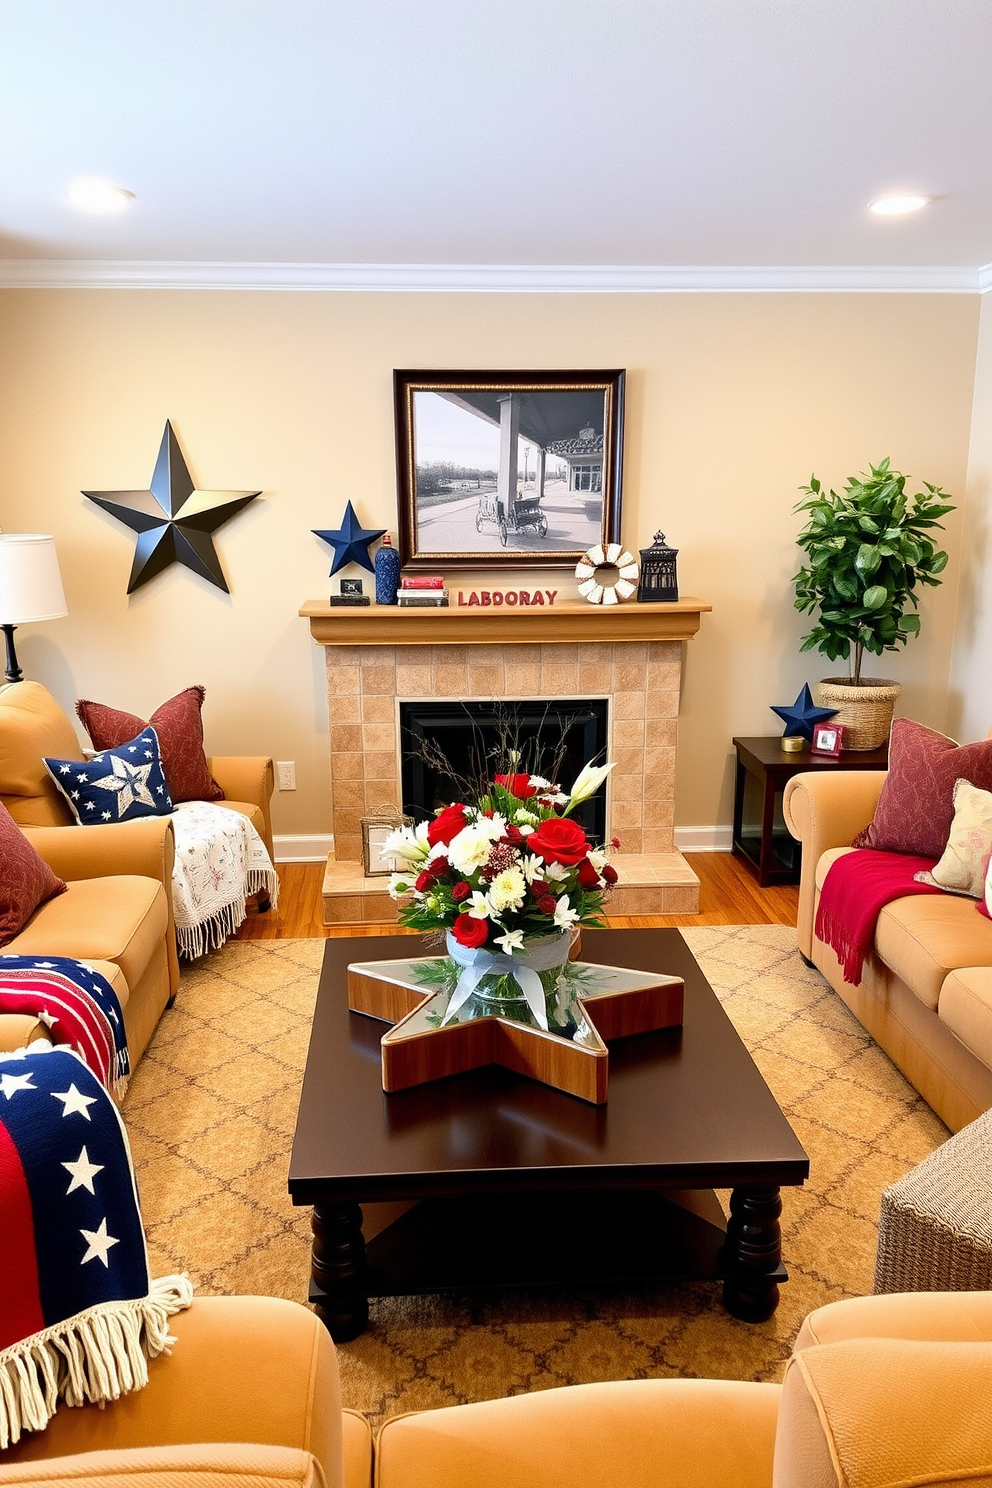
{"x": 898, "y": 206}
{"x": 91, "y": 195}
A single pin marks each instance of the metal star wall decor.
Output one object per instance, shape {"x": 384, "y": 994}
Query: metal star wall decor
{"x": 350, "y": 541}
{"x": 803, "y": 716}
{"x": 174, "y": 521}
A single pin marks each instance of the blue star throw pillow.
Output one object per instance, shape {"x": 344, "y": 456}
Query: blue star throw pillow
{"x": 118, "y": 785}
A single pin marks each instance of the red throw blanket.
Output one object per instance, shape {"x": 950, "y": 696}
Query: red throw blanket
{"x": 857, "y": 887}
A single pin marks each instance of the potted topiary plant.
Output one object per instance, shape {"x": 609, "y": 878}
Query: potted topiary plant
{"x": 868, "y": 549}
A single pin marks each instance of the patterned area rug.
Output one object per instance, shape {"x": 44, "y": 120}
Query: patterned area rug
{"x": 211, "y": 1111}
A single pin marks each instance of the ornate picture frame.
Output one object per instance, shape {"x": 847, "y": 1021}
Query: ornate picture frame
{"x": 496, "y": 468}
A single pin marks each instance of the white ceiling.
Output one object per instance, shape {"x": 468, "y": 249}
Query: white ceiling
{"x": 523, "y": 132}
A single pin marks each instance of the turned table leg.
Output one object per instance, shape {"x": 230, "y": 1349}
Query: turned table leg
{"x": 753, "y": 1254}
{"x": 337, "y": 1270}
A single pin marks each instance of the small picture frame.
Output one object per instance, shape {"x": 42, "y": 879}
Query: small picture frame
{"x": 352, "y": 586}
{"x": 828, "y": 738}
{"x": 375, "y": 830}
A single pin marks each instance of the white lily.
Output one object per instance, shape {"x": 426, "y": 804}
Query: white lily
{"x": 587, "y": 783}
{"x": 533, "y": 867}
{"x": 555, "y": 872}
{"x": 597, "y": 858}
{"x": 399, "y": 884}
{"x": 565, "y": 916}
{"x": 478, "y": 906}
{"x": 512, "y": 941}
{"x": 409, "y": 843}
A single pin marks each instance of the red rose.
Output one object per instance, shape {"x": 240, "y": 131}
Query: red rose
{"x": 559, "y": 840}
{"x": 447, "y": 824}
{"x": 517, "y": 785}
{"x": 539, "y": 888}
{"x": 610, "y": 873}
{"x": 468, "y": 931}
{"x": 588, "y": 877}
{"x": 438, "y": 867}
{"x": 424, "y": 881}
{"x": 461, "y": 891}
{"x": 548, "y": 904}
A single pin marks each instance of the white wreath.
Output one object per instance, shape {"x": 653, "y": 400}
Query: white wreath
{"x": 612, "y": 556}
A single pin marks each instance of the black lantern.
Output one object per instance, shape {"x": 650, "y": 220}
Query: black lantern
{"x": 659, "y": 574}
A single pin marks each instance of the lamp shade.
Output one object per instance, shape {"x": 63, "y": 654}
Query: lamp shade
{"x": 30, "y": 582}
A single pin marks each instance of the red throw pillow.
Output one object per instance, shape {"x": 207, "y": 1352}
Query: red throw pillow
{"x": 916, "y": 805}
{"x": 25, "y": 879}
{"x": 180, "y": 737}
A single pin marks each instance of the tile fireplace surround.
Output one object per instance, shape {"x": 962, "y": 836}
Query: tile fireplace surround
{"x": 631, "y": 655}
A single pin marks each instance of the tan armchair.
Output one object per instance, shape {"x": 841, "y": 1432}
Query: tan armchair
{"x": 883, "y": 1390}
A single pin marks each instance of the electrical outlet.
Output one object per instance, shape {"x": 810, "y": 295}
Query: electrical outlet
{"x": 286, "y": 774}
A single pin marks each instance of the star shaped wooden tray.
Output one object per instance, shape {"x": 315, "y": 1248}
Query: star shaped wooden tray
{"x": 593, "y": 1005}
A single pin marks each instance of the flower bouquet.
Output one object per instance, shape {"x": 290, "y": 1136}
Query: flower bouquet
{"x": 508, "y": 878}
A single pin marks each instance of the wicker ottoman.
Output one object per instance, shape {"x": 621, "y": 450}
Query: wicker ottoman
{"x": 935, "y": 1230}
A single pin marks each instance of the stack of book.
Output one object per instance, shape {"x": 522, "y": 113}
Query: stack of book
{"x": 425, "y": 591}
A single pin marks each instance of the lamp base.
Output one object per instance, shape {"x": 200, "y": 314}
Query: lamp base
{"x": 13, "y": 672}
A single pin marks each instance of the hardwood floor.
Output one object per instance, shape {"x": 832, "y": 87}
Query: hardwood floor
{"x": 729, "y": 895}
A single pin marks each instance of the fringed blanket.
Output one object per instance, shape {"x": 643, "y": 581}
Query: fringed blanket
{"x": 220, "y": 860}
{"x": 856, "y": 889}
{"x": 79, "y": 1315}
{"x": 79, "y": 1007}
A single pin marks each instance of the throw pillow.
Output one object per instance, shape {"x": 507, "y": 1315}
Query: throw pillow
{"x": 25, "y": 879}
{"x": 117, "y": 785}
{"x": 963, "y": 866}
{"x": 180, "y": 732}
{"x": 916, "y": 804}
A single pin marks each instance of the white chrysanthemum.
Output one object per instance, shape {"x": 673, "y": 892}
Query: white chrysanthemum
{"x": 597, "y": 858}
{"x": 507, "y": 890}
{"x": 409, "y": 843}
{"x": 469, "y": 850}
{"x": 539, "y": 782}
{"x": 565, "y": 916}
{"x": 478, "y": 906}
{"x": 523, "y": 817}
{"x": 512, "y": 940}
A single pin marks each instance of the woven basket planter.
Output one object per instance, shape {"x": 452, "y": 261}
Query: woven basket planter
{"x": 865, "y": 711}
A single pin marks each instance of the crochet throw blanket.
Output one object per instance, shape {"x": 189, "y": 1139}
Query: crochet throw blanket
{"x": 856, "y": 889}
{"x": 79, "y": 1314}
{"x": 79, "y": 1007}
{"x": 220, "y": 860}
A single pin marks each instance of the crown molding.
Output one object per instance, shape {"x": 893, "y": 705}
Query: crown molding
{"x": 53, "y": 273}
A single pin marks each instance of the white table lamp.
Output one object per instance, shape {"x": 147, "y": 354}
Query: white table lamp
{"x": 30, "y": 587}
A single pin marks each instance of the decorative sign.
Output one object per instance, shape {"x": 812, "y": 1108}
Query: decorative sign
{"x": 508, "y": 597}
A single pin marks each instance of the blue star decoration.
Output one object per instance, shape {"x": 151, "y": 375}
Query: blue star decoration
{"x": 174, "y": 521}
{"x": 350, "y": 541}
{"x": 803, "y": 716}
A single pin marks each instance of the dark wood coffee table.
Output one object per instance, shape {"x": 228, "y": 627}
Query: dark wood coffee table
{"x": 521, "y": 1185}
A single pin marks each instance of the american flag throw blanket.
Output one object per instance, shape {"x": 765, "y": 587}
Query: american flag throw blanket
{"x": 79, "y": 1314}
{"x": 78, "y": 1005}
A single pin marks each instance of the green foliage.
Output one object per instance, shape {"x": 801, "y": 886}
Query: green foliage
{"x": 867, "y": 550}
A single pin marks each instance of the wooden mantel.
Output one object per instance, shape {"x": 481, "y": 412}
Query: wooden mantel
{"x": 392, "y": 625}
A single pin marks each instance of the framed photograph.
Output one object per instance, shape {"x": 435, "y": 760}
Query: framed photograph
{"x": 828, "y": 738}
{"x": 496, "y": 467}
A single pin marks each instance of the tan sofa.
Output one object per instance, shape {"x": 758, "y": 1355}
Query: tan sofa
{"x": 925, "y": 993}
{"x": 117, "y": 913}
{"x": 250, "y": 1395}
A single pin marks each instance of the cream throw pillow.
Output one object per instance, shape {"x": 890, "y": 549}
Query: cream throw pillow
{"x": 963, "y": 866}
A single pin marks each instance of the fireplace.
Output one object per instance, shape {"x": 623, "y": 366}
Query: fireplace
{"x": 630, "y": 659}
{"x": 473, "y": 736}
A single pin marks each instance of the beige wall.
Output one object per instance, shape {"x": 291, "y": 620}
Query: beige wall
{"x": 732, "y": 401}
{"x": 970, "y": 710}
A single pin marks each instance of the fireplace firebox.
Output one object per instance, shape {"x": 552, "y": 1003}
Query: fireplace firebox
{"x": 473, "y": 737}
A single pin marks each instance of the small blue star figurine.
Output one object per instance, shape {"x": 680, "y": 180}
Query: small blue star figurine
{"x": 803, "y": 716}
{"x": 350, "y": 541}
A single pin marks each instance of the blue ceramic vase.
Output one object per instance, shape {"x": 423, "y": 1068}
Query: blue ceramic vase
{"x": 387, "y": 573}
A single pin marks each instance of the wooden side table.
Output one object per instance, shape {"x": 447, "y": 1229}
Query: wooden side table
{"x": 761, "y": 838}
